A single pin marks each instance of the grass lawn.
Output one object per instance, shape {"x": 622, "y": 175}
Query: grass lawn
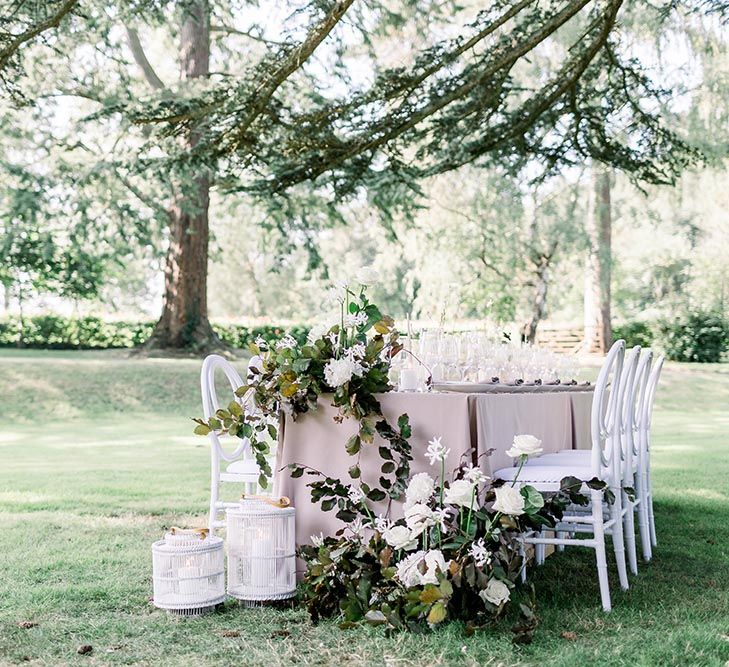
{"x": 96, "y": 460}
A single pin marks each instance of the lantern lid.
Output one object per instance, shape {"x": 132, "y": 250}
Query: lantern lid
{"x": 262, "y": 505}
{"x": 196, "y": 539}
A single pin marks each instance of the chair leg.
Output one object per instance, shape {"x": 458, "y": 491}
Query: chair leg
{"x": 643, "y": 524}
{"x": 561, "y": 534}
{"x": 618, "y": 542}
{"x": 600, "y": 556}
{"x": 523, "y": 573}
{"x": 651, "y": 518}
{"x": 630, "y": 534}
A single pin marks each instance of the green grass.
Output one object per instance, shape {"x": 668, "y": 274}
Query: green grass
{"x": 96, "y": 460}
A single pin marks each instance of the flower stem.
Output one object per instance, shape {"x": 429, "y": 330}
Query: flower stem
{"x": 522, "y": 461}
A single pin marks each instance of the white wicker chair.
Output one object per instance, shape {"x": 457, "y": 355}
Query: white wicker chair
{"x": 242, "y": 467}
{"x": 606, "y": 463}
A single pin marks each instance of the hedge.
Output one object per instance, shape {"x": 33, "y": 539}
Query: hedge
{"x": 696, "y": 336}
{"x": 55, "y": 332}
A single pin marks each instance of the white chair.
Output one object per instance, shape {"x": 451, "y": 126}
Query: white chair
{"x": 635, "y": 434}
{"x": 242, "y": 467}
{"x": 605, "y": 464}
{"x": 644, "y": 446}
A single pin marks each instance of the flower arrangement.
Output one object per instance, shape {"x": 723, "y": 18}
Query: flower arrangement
{"x": 349, "y": 359}
{"x": 455, "y": 553}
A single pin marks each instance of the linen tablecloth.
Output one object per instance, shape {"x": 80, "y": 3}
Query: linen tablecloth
{"x": 468, "y": 424}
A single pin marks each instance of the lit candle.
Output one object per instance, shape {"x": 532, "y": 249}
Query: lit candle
{"x": 188, "y": 577}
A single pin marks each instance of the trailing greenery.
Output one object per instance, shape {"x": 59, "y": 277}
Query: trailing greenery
{"x": 56, "y": 332}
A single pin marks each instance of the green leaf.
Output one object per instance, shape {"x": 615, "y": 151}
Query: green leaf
{"x": 533, "y": 500}
{"x": 355, "y": 472}
{"x": 214, "y": 424}
{"x": 353, "y": 445}
{"x": 272, "y": 432}
{"x": 437, "y": 613}
{"x": 235, "y": 409}
{"x": 201, "y": 429}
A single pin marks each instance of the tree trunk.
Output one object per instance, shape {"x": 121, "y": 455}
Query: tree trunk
{"x": 184, "y": 321}
{"x": 539, "y": 301}
{"x": 598, "y": 328}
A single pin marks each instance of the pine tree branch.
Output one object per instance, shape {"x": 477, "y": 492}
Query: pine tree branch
{"x": 7, "y": 52}
{"x": 291, "y": 62}
{"x": 228, "y": 30}
{"x": 140, "y": 57}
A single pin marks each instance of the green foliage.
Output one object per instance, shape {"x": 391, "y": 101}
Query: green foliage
{"x": 636, "y": 332}
{"x": 56, "y": 332}
{"x": 700, "y": 336}
{"x": 63, "y": 333}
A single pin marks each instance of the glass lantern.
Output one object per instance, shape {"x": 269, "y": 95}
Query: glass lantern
{"x": 261, "y": 550}
{"x": 188, "y": 572}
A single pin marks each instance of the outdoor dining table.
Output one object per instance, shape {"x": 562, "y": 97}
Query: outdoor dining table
{"x": 477, "y": 427}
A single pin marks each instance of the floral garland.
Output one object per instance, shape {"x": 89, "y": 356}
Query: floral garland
{"x": 454, "y": 554}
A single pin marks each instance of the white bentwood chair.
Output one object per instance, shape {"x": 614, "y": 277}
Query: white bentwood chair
{"x": 605, "y": 464}
{"x": 242, "y": 467}
{"x": 635, "y": 434}
{"x": 644, "y": 445}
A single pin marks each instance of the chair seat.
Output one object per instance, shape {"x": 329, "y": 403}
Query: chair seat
{"x": 580, "y": 457}
{"x": 545, "y": 478}
{"x": 243, "y": 467}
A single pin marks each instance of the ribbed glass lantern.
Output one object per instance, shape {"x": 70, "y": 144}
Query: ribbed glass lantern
{"x": 261, "y": 550}
{"x": 188, "y": 572}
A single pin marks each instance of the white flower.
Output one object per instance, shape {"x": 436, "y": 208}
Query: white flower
{"x": 339, "y": 371}
{"x": 317, "y": 540}
{"x": 475, "y": 475}
{"x": 357, "y": 351}
{"x": 356, "y": 495}
{"x": 480, "y": 553}
{"x": 459, "y": 493}
{"x": 525, "y": 445}
{"x": 367, "y": 275}
{"x": 261, "y": 342}
{"x": 400, "y": 537}
{"x": 407, "y": 571}
{"x": 496, "y": 592}
{"x": 436, "y": 451}
{"x": 420, "y": 489}
{"x": 509, "y": 501}
{"x": 418, "y": 517}
{"x": 382, "y": 523}
{"x": 355, "y": 320}
{"x": 333, "y": 339}
{"x": 434, "y": 563}
{"x": 355, "y": 527}
{"x": 317, "y": 332}
{"x": 288, "y": 342}
{"x": 333, "y": 297}
{"x": 441, "y": 516}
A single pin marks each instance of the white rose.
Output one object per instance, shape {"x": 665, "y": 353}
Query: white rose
{"x": 399, "y": 537}
{"x": 434, "y": 562}
{"x": 367, "y": 275}
{"x": 418, "y": 517}
{"x": 317, "y": 332}
{"x": 339, "y": 371}
{"x": 459, "y": 493}
{"x": 525, "y": 445}
{"x": 509, "y": 501}
{"x": 407, "y": 571}
{"x": 420, "y": 489}
{"x": 496, "y": 592}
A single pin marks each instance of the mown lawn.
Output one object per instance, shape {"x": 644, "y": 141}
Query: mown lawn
{"x": 96, "y": 460}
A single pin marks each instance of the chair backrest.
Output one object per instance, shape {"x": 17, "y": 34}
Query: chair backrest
{"x": 605, "y": 418}
{"x": 211, "y": 404}
{"x": 649, "y": 397}
{"x": 632, "y": 386}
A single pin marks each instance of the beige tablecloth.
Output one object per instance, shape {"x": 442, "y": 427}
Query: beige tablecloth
{"x": 469, "y": 425}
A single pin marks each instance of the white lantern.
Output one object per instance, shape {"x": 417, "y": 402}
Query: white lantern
{"x": 188, "y": 572}
{"x": 261, "y": 550}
